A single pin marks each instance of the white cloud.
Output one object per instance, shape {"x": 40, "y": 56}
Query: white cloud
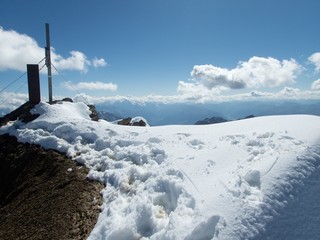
{"x": 14, "y": 100}
{"x": 82, "y": 97}
{"x": 255, "y": 73}
{"x": 289, "y": 92}
{"x": 17, "y": 50}
{"x": 286, "y": 93}
{"x": 11, "y": 101}
{"x": 195, "y": 88}
{"x": 212, "y": 77}
{"x": 316, "y": 85}
{"x": 315, "y": 59}
{"x": 77, "y": 61}
{"x": 99, "y": 62}
{"x": 256, "y": 94}
{"x": 196, "y": 91}
{"x": 91, "y": 86}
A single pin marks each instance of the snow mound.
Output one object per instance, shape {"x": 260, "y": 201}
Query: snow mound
{"x": 237, "y": 180}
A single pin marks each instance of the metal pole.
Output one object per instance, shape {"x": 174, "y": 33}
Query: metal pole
{"x": 48, "y": 62}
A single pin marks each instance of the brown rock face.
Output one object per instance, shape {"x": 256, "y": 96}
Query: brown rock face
{"x": 43, "y": 194}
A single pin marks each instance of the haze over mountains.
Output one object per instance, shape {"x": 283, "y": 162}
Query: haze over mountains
{"x": 158, "y": 113}
{"x": 189, "y": 113}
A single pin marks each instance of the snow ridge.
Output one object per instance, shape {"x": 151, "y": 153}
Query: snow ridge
{"x": 224, "y": 181}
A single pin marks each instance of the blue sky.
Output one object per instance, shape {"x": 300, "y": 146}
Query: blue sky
{"x": 173, "y": 49}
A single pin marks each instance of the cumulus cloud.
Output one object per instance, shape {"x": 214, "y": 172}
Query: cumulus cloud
{"x": 315, "y": 59}
{"x": 17, "y": 50}
{"x": 194, "y": 88}
{"x": 212, "y": 77}
{"x": 257, "y": 72}
{"x": 316, "y": 85}
{"x": 99, "y": 62}
{"x": 91, "y": 86}
{"x": 196, "y": 91}
{"x": 76, "y": 61}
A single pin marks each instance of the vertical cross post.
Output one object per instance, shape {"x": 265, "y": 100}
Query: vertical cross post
{"x": 33, "y": 83}
{"x": 48, "y": 61}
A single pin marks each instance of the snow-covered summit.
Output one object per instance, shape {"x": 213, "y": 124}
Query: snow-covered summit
{"x": 238, "y": 180}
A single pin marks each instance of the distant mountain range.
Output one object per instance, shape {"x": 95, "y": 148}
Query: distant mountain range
{"x": 191, "y": 113}
{"x": 110, "y": 117}
{"x": 214, "y": 120}
{"x": 211, "y": 121}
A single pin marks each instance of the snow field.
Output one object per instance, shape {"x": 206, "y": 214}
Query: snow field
{"x": 223, "y": 181}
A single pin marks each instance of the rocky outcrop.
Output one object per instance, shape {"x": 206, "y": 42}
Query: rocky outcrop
{"x": 94, "y": 114}
{"x": 139, "y": 123}
{"x": 132, "y": 122}
{"x": 43, "y": 194}
{"x": 125, "y": 121}
{"x": 22, "y": 113}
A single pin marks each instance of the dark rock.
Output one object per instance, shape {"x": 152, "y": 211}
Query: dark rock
{"x": 94, "y": 114}
{"x": 22, "y": 113}
{"x": 67, "y": 99}
{"x": 125, "y": 121}
{"x": 43, "y": 194}
{"x": 128, "y": 122}
{"x": 140, "y": 123}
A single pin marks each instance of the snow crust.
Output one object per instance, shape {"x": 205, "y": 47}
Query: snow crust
{"x": 246, "y": 179}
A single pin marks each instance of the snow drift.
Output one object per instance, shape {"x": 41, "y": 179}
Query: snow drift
{"x": 250, "y": 179}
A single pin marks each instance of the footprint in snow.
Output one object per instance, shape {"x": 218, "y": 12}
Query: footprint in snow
{"x": 210, "y": 166}
{"x": 252, "y": 177}
{"x": 154, "y": 140}
{"x": 196, "y": 144}
{"x": 205, "y": 229}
